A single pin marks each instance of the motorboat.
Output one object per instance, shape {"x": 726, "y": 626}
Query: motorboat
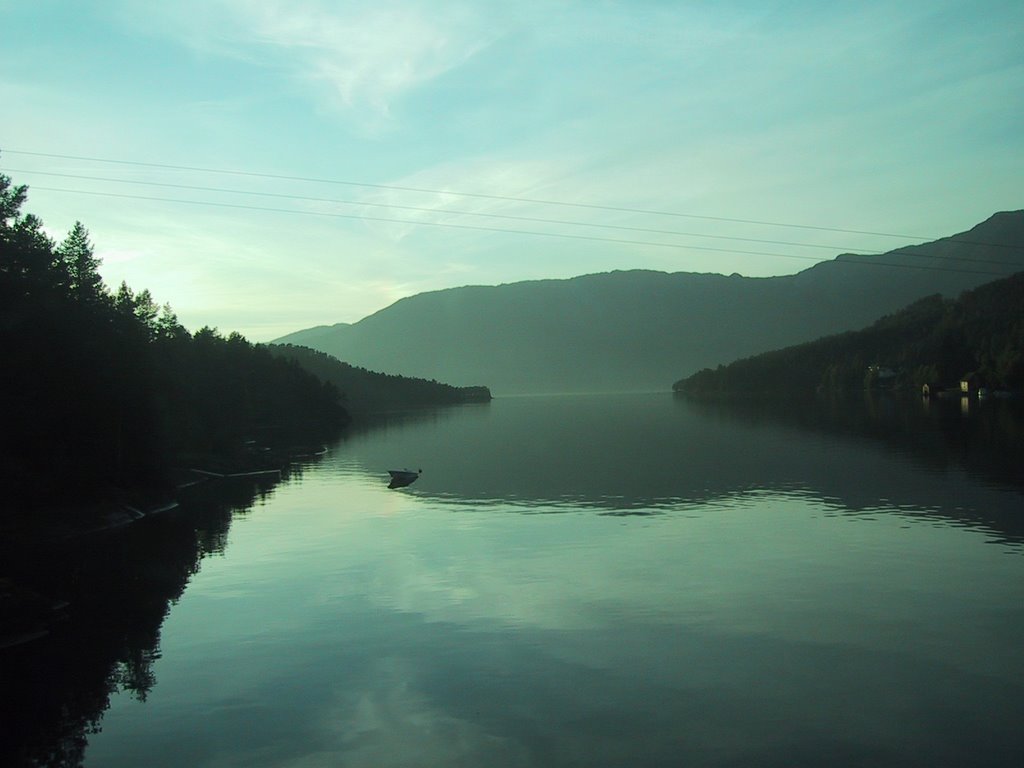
{"x": 403, "y": 477}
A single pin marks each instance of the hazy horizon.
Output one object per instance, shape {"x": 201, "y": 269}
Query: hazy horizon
{"x": 267, "y": 167}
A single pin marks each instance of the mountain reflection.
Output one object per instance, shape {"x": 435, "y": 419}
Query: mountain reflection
{"x": 644, "y": 454}
{"x": 615, "y": 455}
{"x": 956, "y": 460}
{"x": 119, "y": 586}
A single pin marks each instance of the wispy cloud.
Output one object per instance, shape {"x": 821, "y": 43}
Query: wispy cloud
{"x": 483, "y": 185}
{"x": 881, "y": 116}
{"x": 357, "y": 58}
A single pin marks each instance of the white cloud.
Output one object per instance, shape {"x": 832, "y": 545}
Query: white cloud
{"x": 392, "y": 724}
{"x": 358, "y": 58}
{"x": 388, "y": 723}
{"x": 873, "y": 117}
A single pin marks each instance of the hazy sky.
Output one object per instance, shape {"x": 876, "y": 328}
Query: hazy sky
{"x": 893, "y": 117}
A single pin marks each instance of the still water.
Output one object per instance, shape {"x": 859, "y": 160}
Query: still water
{"x": 606, "y": 581}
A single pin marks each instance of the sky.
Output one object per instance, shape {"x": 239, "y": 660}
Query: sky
{"x": 265, "y": 166}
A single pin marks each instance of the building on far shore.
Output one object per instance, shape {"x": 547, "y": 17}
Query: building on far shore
{"x": 970, "y": 384}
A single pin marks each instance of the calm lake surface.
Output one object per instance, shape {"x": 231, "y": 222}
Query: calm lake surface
{"x": 607, "y": 581}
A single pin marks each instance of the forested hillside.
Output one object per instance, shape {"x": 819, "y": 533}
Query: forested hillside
{"x": 934, "y": 341}
{"x": 103, "y": 392}
{"x": 364, "y": 391}
{"x": 640, "y": 330}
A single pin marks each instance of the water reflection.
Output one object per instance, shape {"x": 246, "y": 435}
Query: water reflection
{"x": 381, "y": 628}
{"x": 119, "y": 585}
{"x": 934, "y": 458}
{"x": 758, "y": 586}
{"x": 642, "y": 455}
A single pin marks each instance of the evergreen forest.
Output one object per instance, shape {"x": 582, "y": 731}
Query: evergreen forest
{"x": 104, "y": 391}
{"x": 938, "y": 342}
{"x": 366, "y": 391}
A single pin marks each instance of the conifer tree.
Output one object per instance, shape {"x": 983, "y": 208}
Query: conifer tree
{"x": 26, "y": 252}
{"x": 167, "y": 325}
{"x": 11, "y": 200}
{"x": 76, "y": 253}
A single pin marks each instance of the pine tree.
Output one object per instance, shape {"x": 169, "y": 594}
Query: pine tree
{"x": 167, "y": 325}
{"x": 11, "y": 200}
{"x": 76, "y": 252}
{"x": 27, "y": 262}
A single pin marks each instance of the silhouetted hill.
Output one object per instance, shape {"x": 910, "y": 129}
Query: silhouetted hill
{"x": 365, "y": 391}
{"x": 934, "y": 341}
{"x": 640, "y": 330}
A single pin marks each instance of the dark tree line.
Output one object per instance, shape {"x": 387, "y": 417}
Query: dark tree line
{"x": 934, "y": 341}
{"x": 104, "y": 390}
{"x": 367, "y": 391}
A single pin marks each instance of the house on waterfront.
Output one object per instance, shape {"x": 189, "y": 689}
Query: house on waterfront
{"x": 970, "y": 384}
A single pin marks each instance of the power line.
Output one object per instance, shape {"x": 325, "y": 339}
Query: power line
{"x": 563, "y": 235}
{"x": 484, "y": 214}
{"x": 532, "y": 219}
{"x": 446, "y": 211}
{"x": 361, "y": 217}
{"x": 506, "y": 198}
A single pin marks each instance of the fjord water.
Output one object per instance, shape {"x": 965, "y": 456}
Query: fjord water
{"x": 607, "y": 581}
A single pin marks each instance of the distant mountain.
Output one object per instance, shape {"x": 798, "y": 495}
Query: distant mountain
{"x": 642, "y": 330}
{"x": 934, "y": 341}
{"x": 365, "y": 391}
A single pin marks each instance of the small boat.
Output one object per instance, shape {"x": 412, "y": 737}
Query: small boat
{"x": 403, "y": 477}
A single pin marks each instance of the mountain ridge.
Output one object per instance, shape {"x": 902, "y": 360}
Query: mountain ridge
{"x": 644, "y": 329}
